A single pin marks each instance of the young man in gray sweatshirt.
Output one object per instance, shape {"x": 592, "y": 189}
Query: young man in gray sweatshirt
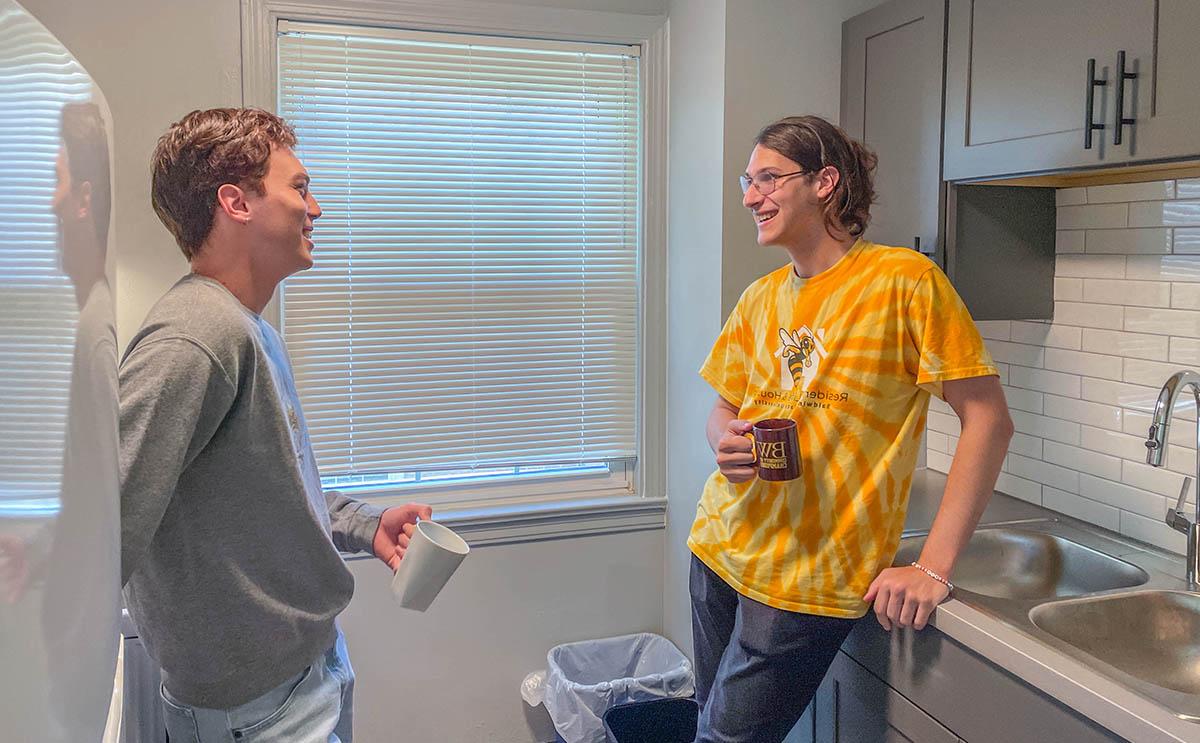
{"x": 230, "y": 549}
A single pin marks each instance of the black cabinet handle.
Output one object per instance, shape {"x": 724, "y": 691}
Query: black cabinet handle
{"x": 1089, "y": 125}
{"x": 1122, "y": 76}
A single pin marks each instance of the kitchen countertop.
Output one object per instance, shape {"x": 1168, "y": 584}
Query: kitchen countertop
{"x": 1071, "y": 682}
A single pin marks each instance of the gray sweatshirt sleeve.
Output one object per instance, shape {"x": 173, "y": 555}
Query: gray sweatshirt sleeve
{"x": 353, "y": 522}
{"x": 174, "y": 395}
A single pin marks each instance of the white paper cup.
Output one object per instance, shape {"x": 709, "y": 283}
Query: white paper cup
{"x": 433, "y": 554}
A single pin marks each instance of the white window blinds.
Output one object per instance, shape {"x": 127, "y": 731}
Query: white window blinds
{"x": 475, "y": 298}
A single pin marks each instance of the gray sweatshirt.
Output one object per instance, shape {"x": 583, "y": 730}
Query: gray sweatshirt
{"x": 229, "y": 548}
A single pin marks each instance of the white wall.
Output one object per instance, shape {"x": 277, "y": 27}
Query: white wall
{"x": 1081, "y": 388}
{"x": 453, "y": 674}
{"x": 694, "y": 283}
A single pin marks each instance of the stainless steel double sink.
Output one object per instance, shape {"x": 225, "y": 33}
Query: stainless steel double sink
{"x": 1128, "y": 624}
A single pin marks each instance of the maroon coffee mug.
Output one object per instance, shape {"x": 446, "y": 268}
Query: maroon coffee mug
{"x": 776, "y": 449}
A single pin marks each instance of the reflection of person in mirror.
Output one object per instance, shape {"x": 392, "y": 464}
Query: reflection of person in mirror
{"x": 849, "y": 339}
{"x": 229, "y": 546}
{"x": 78, "y": 666}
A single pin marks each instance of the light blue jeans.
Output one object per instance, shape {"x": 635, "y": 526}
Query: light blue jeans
{"x": 314, "y": 706}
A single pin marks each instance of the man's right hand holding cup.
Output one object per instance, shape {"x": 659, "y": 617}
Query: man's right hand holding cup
{"x": 735, "y": 452}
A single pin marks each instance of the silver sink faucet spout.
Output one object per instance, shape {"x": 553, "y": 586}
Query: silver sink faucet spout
{"x": 1156, "y": 455}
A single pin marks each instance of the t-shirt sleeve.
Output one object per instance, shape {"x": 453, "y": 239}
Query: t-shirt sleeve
{"x": 726, "y": 367}
{"x": 948, "y": 343}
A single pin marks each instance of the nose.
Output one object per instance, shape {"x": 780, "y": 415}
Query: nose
{"x": 752, "y": 198}
{"x": 314, "y": 209}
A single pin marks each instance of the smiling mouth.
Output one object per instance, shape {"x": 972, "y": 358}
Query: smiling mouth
{"x": 764, "y": 218}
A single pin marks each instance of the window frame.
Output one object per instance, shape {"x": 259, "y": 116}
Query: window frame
{"x": 640, "y": 491}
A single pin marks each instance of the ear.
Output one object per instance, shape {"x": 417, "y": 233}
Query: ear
{"x": 83, "y": 200}
{"x": 828, "y": 179}
{"x": 232, "y": 200}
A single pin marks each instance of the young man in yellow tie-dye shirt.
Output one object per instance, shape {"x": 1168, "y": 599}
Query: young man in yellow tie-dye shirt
{"x": 849, "y": 340}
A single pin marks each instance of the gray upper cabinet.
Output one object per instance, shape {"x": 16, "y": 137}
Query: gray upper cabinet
{"x": 1167, "y": 107}
{"x": 1017, "y": 88}
{"x": 892, "y": 101}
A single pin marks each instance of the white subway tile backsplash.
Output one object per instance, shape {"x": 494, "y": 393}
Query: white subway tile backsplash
{"x": 1186, "y": 240}
{"x": 1029, "y": 446}
{"x": 1021, "y": 399}
{"x": 1114, "y": 443}
{"x": 1163, "y": 267}
{"x": 938, "y": 405}
{"x": 1152, "y": 531}
{"x": 1090, "y": 266}
{"x": 937, "y": 460}
{"x": 1054, "y": 382}
{"x": 1093, "y": 216}
{"x": 1185, "y": 296}
{"x": 1185, "y": 351}
{"x": 937, "y": 441}
{"x": 1019, "y": 487}
{"x": 1080, "y": 389}
{"x": 1181, "y": 433}
{"x": 1046, "y": 334}
{"x": 1070, "y": 196}
{"x": 1149, "y": 373}
{"x": 1044, "y": 427}
{"x": 1163, "y": 322}
{"x": 1081, "y": 508}
{"x": 1152, "y": 214}
{"x": 1102, "y": 316}
{"x": 1069, "y": 241}
{"x": 1082, "y": 411}
{"x": 1084, "y": 364}
{"x": 1137, "y": 345}
{"x": 1146, "y": 240}
{"x": 1044, "y": 472}
{"x": 1121, "y": 394}
{"x": 994, "y": 330}
{"x": 1082, "y": 460}
{"x": 1126, "y": 292}
{"x": 1122, "y": 496}
{"x": 1068, "y": 290}
{"x": 1149, "y": 191}
{"x": 1016, "y": 353}
{"x": 1187, "y": 189}
{"x": 942, "y": 423}
{"x": 1154, "y": 479}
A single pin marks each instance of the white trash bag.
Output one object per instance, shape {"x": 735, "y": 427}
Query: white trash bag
{"x": 585, "y": 679}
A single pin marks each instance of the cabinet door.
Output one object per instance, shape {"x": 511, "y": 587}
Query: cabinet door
{"x": 1166, "y": 104}
{"x": 892, "y": 101}
{"x": 1017, "y": 85}
{"x": 863, "y": 708}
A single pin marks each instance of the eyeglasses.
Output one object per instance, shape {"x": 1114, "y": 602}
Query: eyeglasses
{"x": 764, "y": 183}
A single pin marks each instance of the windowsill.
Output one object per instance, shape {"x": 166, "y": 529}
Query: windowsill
{"x": 559, "y": 519}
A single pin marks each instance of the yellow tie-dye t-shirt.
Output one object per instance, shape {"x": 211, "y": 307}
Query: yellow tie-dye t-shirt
{"x": 852, "y": 354}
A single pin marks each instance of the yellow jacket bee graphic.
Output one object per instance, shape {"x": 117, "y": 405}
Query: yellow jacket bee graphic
{"x": 800, "y": 356}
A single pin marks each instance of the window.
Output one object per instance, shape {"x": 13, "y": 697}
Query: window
{"x": 473, "y": 315}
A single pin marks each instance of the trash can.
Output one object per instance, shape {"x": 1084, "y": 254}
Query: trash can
{"x": 584, "y": 680}
{"x": 671, "y": 720}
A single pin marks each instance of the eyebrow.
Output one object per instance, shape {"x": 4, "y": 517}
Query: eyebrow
{"x": 302, "y": 177}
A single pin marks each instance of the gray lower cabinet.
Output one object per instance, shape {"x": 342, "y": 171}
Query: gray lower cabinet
{"x": 1017, "y": 89}
{"x": 854, "y": 706}
{"x": 924, "y": 686}
{"x": 892, "y": 101}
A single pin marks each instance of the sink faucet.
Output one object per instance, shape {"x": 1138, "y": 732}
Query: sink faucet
{"x": 1156, "y": 454}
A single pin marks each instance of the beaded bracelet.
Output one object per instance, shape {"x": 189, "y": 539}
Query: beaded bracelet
{"x": 933, "y": 575}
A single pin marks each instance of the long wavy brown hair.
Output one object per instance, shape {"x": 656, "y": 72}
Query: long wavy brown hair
{"x": 814, "y": 143}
